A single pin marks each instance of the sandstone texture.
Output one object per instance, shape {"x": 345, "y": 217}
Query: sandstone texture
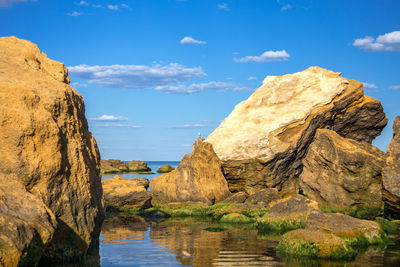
{"x": 120, "y": 192}
{"x": 50, "y": 195}
{"x": 198, "y": 178}
{"x": 262, "y": 142}
{"x": 239, "y": 197}
{"x": 391, "y": 175}
{"x": 263, "y": 198}
{"x": 118, "y": 166}
{"x": 165, "y": 169}
{"x": 342, "y": 173}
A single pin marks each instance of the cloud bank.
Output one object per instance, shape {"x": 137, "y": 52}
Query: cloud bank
{"x": 110, "y": 118}
{"x": 267, "y": 56}
{"x": 190, "y": 40}
{"x": 386, "y": 42}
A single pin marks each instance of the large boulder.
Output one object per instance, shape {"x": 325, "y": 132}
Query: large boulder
{"x": 51, "y": 196}
{"x": 391, "y": 175}
{"x": 341, "y": 172}
{"x": 198, "y": 178}
{"x": 262, "y": 142}
{"x": 120, "y": 192}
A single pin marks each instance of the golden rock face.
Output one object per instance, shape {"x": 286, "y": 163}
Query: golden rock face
{"x": 262, "y": 142}
{"x": 198, "y": 178}
{"x": 46, "y": 149}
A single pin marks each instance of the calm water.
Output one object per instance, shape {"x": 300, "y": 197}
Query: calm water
{"x": 154, "y": 165}
{"x": 131, "y": 241}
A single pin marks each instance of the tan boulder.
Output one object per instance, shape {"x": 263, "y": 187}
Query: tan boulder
{"x": 294, "y": 207}
{"x": 48, "y": 156}
{"x": 262, "y": 142}
{"x": 341, "y": 172}
{"x": 165, "y": 168}
{"x": 198, "y": 178}
{"x": 120, "y": 192}
{"x": 391, "y": 175}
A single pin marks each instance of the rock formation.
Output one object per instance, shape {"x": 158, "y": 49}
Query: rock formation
{"x": 262, "y": 142}
{"x": 118, "y": 166}
{"x": 198, "y": 178}
{"x": 391, "y": 175}
{"x": 51, "y": 197}
{"x": 165, "y": 169}
{"x": 341, "y": 172}
{"x": 120, "y": 192}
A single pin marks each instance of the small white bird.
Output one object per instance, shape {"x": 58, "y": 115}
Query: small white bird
{"x": 199, "y": 134}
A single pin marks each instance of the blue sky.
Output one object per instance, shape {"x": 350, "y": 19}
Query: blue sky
{"x": 154, "y": 73}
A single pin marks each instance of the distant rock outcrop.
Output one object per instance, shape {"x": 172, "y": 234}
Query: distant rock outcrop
{"x": 50, "y": 190}
{"x": 118, "y": 166}
{"x": 262, "y": 142}
{"x": 165, "y": 169}
{"x": 120, "y": 192}
{"x": 391, "y": 175}
{"x": 198, "y": 178}
{"x": 341, "y": 172}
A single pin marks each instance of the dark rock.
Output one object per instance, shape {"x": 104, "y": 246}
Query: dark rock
{"x": 391, "y": 175}
{"x": 198, "y": 178}
{"x": 295, "y": 207}
{"x": 263, "y": 197}
{"x": 238, "y": 197}
{"x": 342, "y": 173}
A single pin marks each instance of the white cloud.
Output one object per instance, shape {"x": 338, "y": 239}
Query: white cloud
{"x": 190, "y": 40}
{"x": 194, "y": 87}
{"x": 370, "y": 85}
{"x": 252, "y": 78}
{"x": 136, "y": 76}
{"x": 96, "y": 6}
{"x": 120, "y": 126}
{"x": 9, "y": 3}
{"x": 74, "y": 14}
{"x": 223, "y": 6}
{"x": 242, "y": 88}
{"x": 76, "y": 84}
{"x": 286, "y": 7}
{"x": 267, "y": 56}
{"x": 82, "y": 3}
{"x": 386, "y": 42}
{"x": 109, "y": 118}
{"x": 125, "y": 5}
{"x": 113, "y": 7}
{"x": 394, "y": 87}
{"x": 191, "y": 126}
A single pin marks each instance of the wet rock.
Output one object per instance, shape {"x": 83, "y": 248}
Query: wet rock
{"x": 120, "y": 192}
{"x": 341, "y": 172}
{"x": 165, "y": 169}
{"x": 391, "y": 175}
{"x": 198, "y": 178}
{"x": 263, "y": 141}
{"x": 263, "y": 197}
{"x": 48, "y": 160}
{"x": 239, "y": 197}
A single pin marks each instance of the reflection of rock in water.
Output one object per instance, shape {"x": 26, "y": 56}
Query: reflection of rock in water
{"x": 121, "y": 228}
{"x": 197, "y": 247}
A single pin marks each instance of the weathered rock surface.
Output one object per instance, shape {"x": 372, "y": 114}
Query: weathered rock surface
{"x": 391, "y": 175}
{"x": 118, "y": 166}
{"x": 341, "y": 172}
{"x": 51, "y": 195}
{"x": 262, "y": 142}
{"x": 295, "y": 207}
{"x": 263, "y": 197}
{"x": 165, "y": 169}
{"x": 197, "y": 178}
{"x": 239, "y": 197}
{"x": 120, "y": 192}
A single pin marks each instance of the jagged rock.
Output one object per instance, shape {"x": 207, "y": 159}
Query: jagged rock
{"x": 262, "y": 142}
{"x": 263, "y": 197}
{"x": 120, "y": 192}
{"x": 341, "y": 172}
{"x": 391, "y": 175}
{"x": 141, "y": 181}
{"x": 165, "y": 169}
{"x": 49, "y": 161}
{"x": 118, "y": 166}
{"x": 198, "y": 178}
{"x": 239, "y": 197}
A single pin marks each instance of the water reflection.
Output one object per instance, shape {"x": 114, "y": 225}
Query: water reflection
{"x": 131, "y": 241}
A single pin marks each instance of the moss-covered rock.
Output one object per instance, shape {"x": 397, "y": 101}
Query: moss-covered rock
{"x": 236, "y": 218}
{"x": 165, "y": 168}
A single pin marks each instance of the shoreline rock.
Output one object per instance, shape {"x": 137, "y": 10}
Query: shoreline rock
{"x": 165, "y": 169}
{"x": 113, "y": 166}
{"x": 47, "y": 157}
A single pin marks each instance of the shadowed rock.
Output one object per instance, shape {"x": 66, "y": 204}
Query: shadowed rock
{"x": 198, "y": 178}
{"x": 239, "y": 197}
{"x": 263, "y": 197}
{"x": 262, "y": 142}
{"x": 51, "y": 195}
{"x": 391, "y": 175}
{"x": 341, "y": 172}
